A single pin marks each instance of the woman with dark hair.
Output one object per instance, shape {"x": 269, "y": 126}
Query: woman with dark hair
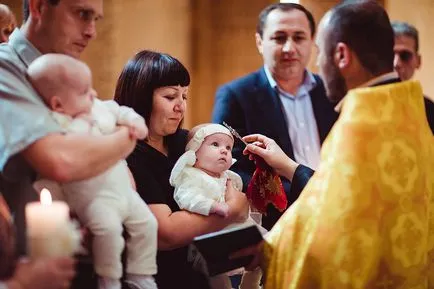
{"x": 156, "y": 85}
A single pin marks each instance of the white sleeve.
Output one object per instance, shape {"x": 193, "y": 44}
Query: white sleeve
{"x": 124, "y": 115}
{"x": 237, "y": 182}
{"x": 189, "y": 196}
{"x": 69, "y": 124}
{"x": 79, "y": 125}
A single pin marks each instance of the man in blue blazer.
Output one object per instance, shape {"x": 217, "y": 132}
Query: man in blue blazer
{"x": 282, "y": 100}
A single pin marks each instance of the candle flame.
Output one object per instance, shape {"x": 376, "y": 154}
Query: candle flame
{"x": 45, "y": 197}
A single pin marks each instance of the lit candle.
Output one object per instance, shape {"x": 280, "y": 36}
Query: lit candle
{"x": 45, "y": 217}
{"x": 48, "y": 227}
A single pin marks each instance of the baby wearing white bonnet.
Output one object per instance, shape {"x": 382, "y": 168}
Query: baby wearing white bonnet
{"x": 200, "y": 176}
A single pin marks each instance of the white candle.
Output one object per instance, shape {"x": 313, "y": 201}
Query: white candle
{"x": 46, "y": 216}
{"x": 45, "y": 222}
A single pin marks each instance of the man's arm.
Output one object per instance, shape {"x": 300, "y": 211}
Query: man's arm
{"x": 72, "y": 157}
{"x": 27, "y": 127}
{"x": 228, "y": 109}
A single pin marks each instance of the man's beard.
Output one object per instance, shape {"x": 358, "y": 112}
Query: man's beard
{"x": 335, "y": 83}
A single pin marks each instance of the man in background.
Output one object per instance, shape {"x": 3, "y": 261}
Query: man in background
{"x": 407, "y": 58}
{"x": 282, "y": 99}
{"x": 7, "y": 22}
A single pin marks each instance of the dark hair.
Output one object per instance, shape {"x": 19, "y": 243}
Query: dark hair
{"x": 406, "y": 29}
{"x": 145, "y": 72}
{"x": 26, "y": 10}
{"x": 365, "y": 27}
{"x": 283, "y": 7}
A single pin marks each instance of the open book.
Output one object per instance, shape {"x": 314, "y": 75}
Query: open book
{"x": 210, "y": 252}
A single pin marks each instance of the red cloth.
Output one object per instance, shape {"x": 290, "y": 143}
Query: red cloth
{"x": 265, "y": 187}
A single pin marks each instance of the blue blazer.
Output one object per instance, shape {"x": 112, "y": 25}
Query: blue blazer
{"x": 250, "y": 105}
{"x": 429, "y": 109}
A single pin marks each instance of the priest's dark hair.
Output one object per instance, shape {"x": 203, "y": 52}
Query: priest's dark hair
{"x": 365, "y": 27}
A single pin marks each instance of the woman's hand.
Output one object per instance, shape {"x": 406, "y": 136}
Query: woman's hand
{"x": 53, "y": 273}
{"x": 273, "y": 155}
{"x": 238, "y": 204}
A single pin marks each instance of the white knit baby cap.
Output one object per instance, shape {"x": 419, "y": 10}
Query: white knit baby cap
{"x": 189, "y": 157}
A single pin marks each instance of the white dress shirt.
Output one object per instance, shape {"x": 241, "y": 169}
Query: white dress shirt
{"x": 300, "y": 119}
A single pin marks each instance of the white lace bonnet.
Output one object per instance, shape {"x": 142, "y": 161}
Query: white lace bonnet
{"x": 189, "y": 157}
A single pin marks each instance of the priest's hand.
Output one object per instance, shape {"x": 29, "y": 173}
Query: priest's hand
{"x": 272, "y": 154}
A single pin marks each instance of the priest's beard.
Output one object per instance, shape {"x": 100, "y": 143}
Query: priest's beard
{"x": 336, "y": 87}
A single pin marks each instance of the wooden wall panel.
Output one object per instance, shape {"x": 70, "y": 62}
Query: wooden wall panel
{"x": 223, "y": 48}
{"x": 133, "y": 25}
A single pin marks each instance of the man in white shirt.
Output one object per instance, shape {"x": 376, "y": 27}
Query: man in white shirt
{"x": 282, "y": 99}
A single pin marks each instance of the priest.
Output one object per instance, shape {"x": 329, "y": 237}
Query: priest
{"x": 365, "y": 218}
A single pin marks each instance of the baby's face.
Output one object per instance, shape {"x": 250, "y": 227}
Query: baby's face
{"x": 79, "y": 96}
{"x": 215, "y": 154}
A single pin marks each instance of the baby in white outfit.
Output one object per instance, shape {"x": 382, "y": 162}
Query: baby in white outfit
{"x": 105, "y": 202}
{"x": 200, "y": 176}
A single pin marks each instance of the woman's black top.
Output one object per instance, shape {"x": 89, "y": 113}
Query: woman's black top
{"x": 151, "y": 170}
